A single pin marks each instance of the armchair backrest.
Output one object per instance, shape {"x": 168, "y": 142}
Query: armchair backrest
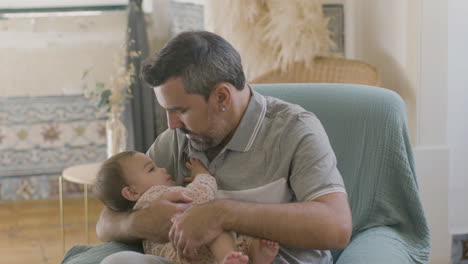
{"x": 367, "y": 129}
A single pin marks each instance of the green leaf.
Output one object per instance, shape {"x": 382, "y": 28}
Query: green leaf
{"x": 85, "y": 73}
{"x": 104, "y": 102}
{"x": 100, "y": 85}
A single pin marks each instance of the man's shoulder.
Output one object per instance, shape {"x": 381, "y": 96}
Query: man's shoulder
{"x": 166, "y": 146}
{"x": 287, "y": 126}
{"x": 282, "y": 114}
{"x": 167, "y": 140}
{"x": 169, "y": 136}
{"x": 279, "y": 108}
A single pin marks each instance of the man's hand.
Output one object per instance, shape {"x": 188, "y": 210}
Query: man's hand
{"x": 156, "y": 221}
{"x": 152, "y": 223}
{"x": 197, "y": 226}
{"x": 196, "y": 167}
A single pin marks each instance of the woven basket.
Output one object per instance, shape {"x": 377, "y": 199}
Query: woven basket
{"x": 325, "y": 70}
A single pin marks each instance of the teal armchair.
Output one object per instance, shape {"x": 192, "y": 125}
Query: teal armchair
{"x": 367, "y": 129}
{"x": 368, "y": 132}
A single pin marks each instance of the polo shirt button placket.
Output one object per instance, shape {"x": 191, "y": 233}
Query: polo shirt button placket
{"x": 214, "y": 164}
{"x": 219, "y": 160}
{"x": 212, "y": 167}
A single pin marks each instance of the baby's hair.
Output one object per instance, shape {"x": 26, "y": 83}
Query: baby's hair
{"x": 110, "y": 181}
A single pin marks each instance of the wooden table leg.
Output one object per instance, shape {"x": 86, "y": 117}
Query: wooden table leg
{"x": 86, "y": 212}
{"x": 62, "y": 232}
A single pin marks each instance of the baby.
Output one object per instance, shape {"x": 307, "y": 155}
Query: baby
{"x": 130, "y": 180}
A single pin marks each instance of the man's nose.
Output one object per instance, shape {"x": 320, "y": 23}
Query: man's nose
{"x": 173, "y": 120}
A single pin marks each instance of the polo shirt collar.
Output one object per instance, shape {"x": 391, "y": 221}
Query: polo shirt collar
{"x": 250, "y": 124}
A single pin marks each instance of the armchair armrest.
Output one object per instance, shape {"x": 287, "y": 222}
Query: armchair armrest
{"x": 381, "y": 245}
{"x": 80, "y": 254}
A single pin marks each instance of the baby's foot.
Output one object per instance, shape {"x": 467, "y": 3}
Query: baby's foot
{"x": 264, "y": 251}
{"x": 236, "y": 258}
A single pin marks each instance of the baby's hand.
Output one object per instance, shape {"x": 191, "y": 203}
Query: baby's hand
{"x": 196, "y": 167}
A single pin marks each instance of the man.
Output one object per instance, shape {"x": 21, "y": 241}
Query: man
{"x": 273, "y": 162}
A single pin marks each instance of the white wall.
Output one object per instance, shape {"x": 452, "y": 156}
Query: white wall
{"x": 407, "y": 42}
{"x": 458, "y": 114}
{"x": 48, "y": 55}
{"x": 377, "y": 33}
{"x": 431, "y": 148}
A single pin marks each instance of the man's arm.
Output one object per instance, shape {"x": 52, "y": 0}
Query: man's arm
{"x": 152, "y": 223}
{"x": 324, "y": 223}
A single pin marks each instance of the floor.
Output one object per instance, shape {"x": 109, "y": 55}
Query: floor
{"x": 30, "y": 230}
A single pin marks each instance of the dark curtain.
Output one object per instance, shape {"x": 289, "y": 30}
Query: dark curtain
{"x": 139, "y": 115}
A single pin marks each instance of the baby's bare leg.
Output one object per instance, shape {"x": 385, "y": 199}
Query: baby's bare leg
{"x": 236, "y": 258}
{"x": 263, "y": 251}
{"x": 223, "y": 250}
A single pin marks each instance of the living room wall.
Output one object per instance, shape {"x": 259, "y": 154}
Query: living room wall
{"x": 47, "y": 55}
{"x": 45, "y": 122}
{"x": 457, "y": 114}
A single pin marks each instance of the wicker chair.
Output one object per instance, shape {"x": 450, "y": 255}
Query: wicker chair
{"x": 325, "y": 70}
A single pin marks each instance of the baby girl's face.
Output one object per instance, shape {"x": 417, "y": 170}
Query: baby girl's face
{"x": 141, "y": 173}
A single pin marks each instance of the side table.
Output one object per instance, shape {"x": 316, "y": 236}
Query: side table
{"x": 82, "y": 174}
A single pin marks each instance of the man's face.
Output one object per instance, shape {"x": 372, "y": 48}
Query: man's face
{"x": 199, "y": 119}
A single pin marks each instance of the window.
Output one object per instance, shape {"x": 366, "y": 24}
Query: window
{"x": 51, "y": 8}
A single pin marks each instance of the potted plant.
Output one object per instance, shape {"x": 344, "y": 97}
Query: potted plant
{"x": 110, "y": 97}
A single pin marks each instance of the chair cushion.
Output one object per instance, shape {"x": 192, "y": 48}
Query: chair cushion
{"x": 81, "y": 254}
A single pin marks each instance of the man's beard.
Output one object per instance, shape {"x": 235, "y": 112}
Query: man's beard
{"x": 204, "y": 143}
{"x": 199, "y": 142}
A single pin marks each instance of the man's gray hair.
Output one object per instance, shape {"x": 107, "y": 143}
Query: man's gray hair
{"x": 203, "y": 59}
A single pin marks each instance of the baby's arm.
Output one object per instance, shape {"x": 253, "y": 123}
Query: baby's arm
{"x": 203, "y": 185}
{"x": 204, "y": 188}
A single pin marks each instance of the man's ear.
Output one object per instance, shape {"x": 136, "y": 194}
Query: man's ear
{"x": 222, "y": 94}
{"x": 130, "y": 194}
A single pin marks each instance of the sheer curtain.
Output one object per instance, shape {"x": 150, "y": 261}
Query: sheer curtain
{"x": 139, "y": 115}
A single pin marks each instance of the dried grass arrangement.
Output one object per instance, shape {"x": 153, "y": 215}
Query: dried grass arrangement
{"x": 271, "y": 34}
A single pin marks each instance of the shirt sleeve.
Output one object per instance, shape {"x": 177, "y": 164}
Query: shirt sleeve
{"x": 203, "y": 188}
{"x": 313, "y": 167}
{"x": 150, "y": 195}
{"x": 155, "y": 192}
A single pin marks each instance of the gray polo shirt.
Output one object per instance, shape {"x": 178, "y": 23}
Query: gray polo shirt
{"x": 279, "y": 153}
